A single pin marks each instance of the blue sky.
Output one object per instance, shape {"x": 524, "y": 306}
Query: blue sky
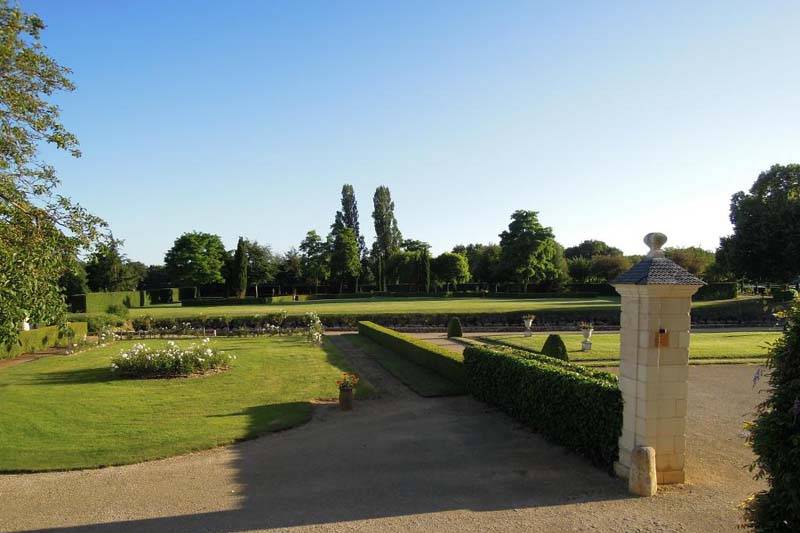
{"x": 245, "y": 118}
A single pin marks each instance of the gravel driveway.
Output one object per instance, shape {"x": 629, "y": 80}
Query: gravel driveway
{"x": 403, "y": 463}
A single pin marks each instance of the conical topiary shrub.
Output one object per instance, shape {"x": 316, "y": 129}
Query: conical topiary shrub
{"x": 554, "y": 347}
{"x": 775, "y": 437}
{"x": 454, "y": 328}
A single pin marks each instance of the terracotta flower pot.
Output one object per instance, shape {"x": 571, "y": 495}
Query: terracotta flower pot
{"x": 346, "y": 399}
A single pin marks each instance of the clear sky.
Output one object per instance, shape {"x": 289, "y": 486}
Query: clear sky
{"x": 611, "y": 119}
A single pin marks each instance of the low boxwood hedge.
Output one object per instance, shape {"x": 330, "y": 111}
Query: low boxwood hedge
{"x": 211, "y": 302}
{"x": 578, "y": 409}
{"x": 444, "y": 362}
{"x": 40, "y": 339}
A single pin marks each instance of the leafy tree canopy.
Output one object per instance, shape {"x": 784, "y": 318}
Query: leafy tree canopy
{"x": 765, "y": 245}
{"x": 529, "y": 250}
{"x": 196, "y": 259}
{"x": 693, "y": 258}
{"x": 451, "y": 268}
{"x": 589, "y": 249}
{"x": 41, "y": 231}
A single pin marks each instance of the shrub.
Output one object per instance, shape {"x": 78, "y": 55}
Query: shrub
{"x": 444, "y": 362}
{"x": 554, "y": 347}
{"x": 717, "y": 291}
{"x": 775, "y": 437}
{"x": 314, "y": 329}
{"x": 40, "y": 339}
{"x": 783, "y": 295}
{"x": 579, "y": 410}
{"x": 454, "y": 328}
{"x": 141, "y": 361}
{"x": 97, "y": 321}
{"x": 118, "y": 310}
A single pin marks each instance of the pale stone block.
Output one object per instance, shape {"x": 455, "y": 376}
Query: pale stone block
{"x": 679, "y": 444}
{"x": 651, "y": 306}
{"x": 674, "y": 324}
{"x": 626, "y": 442}
{"x": 647, "y": 339}
{"x": 647, "y": 391}
{"x": 664, "y": 445}
{"x": 649, "y": 357}
{"x": 645, "y": 409}
{"x": 645, "y": 373}
{"x": 627, "y": 367}
{"x": 642, "y": 478}
{"x": 675, "y": 306}
{"x": 671, "y": 477}
{"x": 671, "y": 426}
{"x": 666, "y": 409}
{"x": 684, "y": 338}
{"x": 646, "y": 431}
{"x": 674, "y": 356}
{"x": 622, "y": 471}
{"x": 627, "y": 385}
{"x": 675, "y": 390}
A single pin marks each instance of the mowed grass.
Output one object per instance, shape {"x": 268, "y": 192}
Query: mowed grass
{"x": 424, "y": 382}
{"x": 70, "y": 412}
{"x": 386, "y": 305}
{"x": 605, "y": 346}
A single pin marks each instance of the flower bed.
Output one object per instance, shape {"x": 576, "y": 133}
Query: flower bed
{"x": 142, "y": 361}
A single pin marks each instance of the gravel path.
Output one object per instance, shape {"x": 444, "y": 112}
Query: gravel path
{"x": 402, "y": 463}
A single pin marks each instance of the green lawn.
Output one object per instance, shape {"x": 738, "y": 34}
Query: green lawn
{"x": 419, "y": 379}
{"x": 385, "y": 305}
{"x": 605, "y": 346}
{"x": 70, "y": 412}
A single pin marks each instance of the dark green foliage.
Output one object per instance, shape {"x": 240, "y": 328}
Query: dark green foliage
{"x": 775, "y": 437}
{"x": 196, "y": 259}
{"x": 387, "y": 235}
{"x": 347, "y": 217}
{"x": 692, "y": 258}
{"x": 99, "y": 302}
{"x": 554, "y": 347}
{"x": 73, "y": 281}
{"x": 608, "y": 267}
{"x": 765, "y": 245}
{"x": 315, "y": 259}
{"x": 118, "y": 310}
{"x": 783, "y": 295}
{"x": 579, "y": 410}
{"x": 108, "y": 270}
{"x": 162, "y": 296}
{"x": 717, "y": 291}
{"x": 451, "y": 268}
{"x": 454, "y": 328}
{"x": 40, "y": 339}
{"x": 530, "y": 253}
{"x": 239, "y": 274}
{"x": 444, "y": 362}
{"x": 97, "y": 321}
{"x": 590, "y": 248}
{"x": 580, "y": 269}
{"x": 345, "y": 257}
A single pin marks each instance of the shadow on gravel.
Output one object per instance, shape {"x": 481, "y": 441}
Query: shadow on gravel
{"x": 398, "y": 457}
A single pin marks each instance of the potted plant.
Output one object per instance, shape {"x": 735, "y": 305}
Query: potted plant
{"x": 586, "y": 329}
{"x": 527, "y": 320}
{"x": 347, "y": 387}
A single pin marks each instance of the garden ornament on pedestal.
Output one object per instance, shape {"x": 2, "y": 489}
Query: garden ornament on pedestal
{"x": 26, "y": 326}
{"x": 347, "y": 386}
{"x": 586, "y": 330}
{"x": 527, "y": 321}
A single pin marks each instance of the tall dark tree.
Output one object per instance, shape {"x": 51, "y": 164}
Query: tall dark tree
{"x": 290, "y": 270}
{"x": 73, "y": 281}
{"x": 104, "y": 269}
{"x": 387, "y": 234}
{"x": 451, "y": 268}
{"x": 196, "y": 259}
{"x": 347, "y": 217}
{"x": 239, "y": 273}
{"x": 765, "y": 245}
{"x": 156, "y": 278}
{"x": 345, "y": 257}
{"x": 529, "y": 250}
{"x": 41, "y": 231}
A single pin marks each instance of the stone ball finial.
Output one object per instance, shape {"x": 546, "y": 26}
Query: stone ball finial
{"x": 655, "y": 241}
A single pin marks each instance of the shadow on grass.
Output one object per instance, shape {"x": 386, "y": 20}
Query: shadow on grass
{"x": 76, "y": 376}
{"x": 384, "y": 459}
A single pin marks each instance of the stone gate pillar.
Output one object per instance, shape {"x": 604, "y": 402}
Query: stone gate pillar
{"x": 654, "y": 366}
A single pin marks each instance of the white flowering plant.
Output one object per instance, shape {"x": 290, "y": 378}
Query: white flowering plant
{"x": 314, "y": 328}
{"x": 141, "y": 361}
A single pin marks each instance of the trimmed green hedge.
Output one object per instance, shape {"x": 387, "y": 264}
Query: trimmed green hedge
{"x": 444, "y": 362}
{"x": 211, "y": 302}
{"x": 97, "y": 321}
{"x": 99, "y": 302}
{"x": 578, "y": 409}
{"x": 161, "y": 296}
{"x": 42, "y": 338}
{"x": 717, "y": 291}
{"x": 554, "y": 347}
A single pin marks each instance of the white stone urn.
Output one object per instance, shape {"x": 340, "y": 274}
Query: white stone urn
{"x": 586, "y": 331}
{"x": 26, "y": 326}
{"x": 527, "y": 321}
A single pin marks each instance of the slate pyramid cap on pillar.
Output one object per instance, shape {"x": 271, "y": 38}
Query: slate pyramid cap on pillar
{"x": 656, "y": 269}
